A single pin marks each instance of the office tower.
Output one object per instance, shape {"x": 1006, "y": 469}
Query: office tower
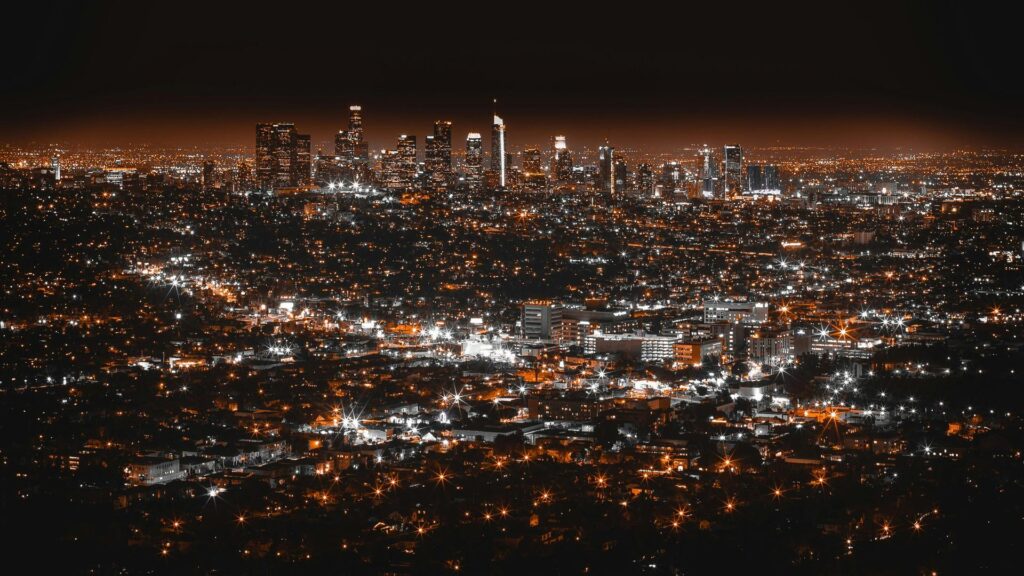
{"x": 732, "y": 161}
{"x": 55, "y": 167}
{"x": 755, "y": 180}
{"x": 763, "y": 179}
{"x": 355, "y": 123}
{"x": 562, "y": 162}
{"x": 772, "y": 182}
{"x": 438, "y": 154}
{"x": 620, "y": 175}
{"x": 534, "y": 178}
{"x": 474, "y": 163}
{"x": 542, "y": 319}
{"x": 243, "y": 180}
{"x": 531, "y": 161}
{"x": 644, "y": 180}
{"x": 344, "y": 148}
{"x": 352, "y": 152}
{"x": 606, "y": 169}
{"x": 209, "y": 175}
{"x": 708, "y": 172}
{"x": 328, "y": 170}
{"x": 264, "y": 158}
{"x": 499, "y": 151}
{"x": 407, "y": 159}
{"x": 391, "y": 170}
{"x": 430, "y": 157}
{"x": 671, "y": 177}
{"x": 303, "y": 161}
{"x": 284, "y": 151}
{"x": 442, "y": 134}
{"x": 282, "y": 157}
{"x": 735, "y": 312}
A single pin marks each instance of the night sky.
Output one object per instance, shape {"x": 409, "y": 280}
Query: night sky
{"x": 931, "y": 74}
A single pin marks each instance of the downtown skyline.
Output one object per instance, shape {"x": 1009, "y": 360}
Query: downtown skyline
{"x": 511, "y": 289}
{"x": 885, "y": 76}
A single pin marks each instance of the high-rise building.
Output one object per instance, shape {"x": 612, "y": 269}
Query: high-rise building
{"x": 55, "y": 167}
{"x": 407, "y": 162}
{"x": 531, "y": 161}
{"x": 763, "y": 180}
{"x": 355, "y": 123}
{"x": 243, "y": 177}
{"x": 732, "y": 163}
{"x": 264, "y": 157}
{"x": 474, "y": 162}
{"x": 606, "y": 169}
{"x": 542, "y": 319}
{"x": 430, "y": 157}
{"x": 620, "y": 175}
{"x": 771, "y": 178}
{"x": 391, "y": 170}
{"x": 644, "y": 180}
{"x": 350, "y": 148}
{"x": 438, "y": 154}
{"x": 209, "y": 175}
{"x": 671, "y": 179}
{"x": 562, "y": 162}
{"x": 708, "y": 173}
{"x": 344, "y": 148}
{"x": 755, "y": 181}
{"x": 303, "y": 161}
{"x": 282, "y": 157}
{"x": 499, "y": 156}
{"x": 326, "y": 169}
{"x": 534, "y": 178}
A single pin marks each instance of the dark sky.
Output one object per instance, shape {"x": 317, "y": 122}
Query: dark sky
{"x": 930, "y": 74}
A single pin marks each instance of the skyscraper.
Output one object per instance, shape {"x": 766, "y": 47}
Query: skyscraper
{"x": 407, "y": 159}
{"x": 671, "y": 177}
{"x": 438, "y": 154}
{"x": 772, "y": 182}
{"x": 534, "y": 179}
{"x": 209, "y": 175}
{"x": 243, "y": 177}
{"x": 282, "y": 157}
{"x": 755, "y": 181}
{"x": 303, "y": 171}
{"x": 443, "y": 135}
{"x": 391, "y": 171}
{"x": 474, "y": 163}
{"x": 562, "y": 161}
{"x": 355, "y": 123}
{"x": 430, "y": 156}
{"x": 620, "y": 175}
{"x": 360, "y": 147}
{"x": 708, "y": 172}
{"x": 606, "y": 169}
{"x": 264, "y": 157}
{"x": 531, "y": 161}
{"x": 732, "y": 156}
{"x": 763, "y": 179}
{"x": 344, "y": 150}
{"x": 498, "y": 151}
{"x": 351, "y": 151}
{"x": 645, "y": 179}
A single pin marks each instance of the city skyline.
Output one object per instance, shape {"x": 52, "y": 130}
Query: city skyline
{"x": 511, "y": 289}
{"x": 912, "y": 78}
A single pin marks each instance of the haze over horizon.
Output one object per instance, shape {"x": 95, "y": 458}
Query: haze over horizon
{"x": 885, "y": 76}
